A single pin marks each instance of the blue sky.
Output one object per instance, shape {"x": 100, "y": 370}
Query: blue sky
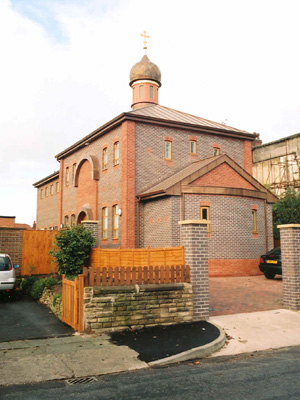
{"x": 65, "y": 72}
{"x": 43, "y": 12}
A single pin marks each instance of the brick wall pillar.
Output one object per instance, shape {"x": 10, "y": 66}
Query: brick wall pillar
{"x": 193, "y": 236}
{"x": 93, "y": 226}
{"x": 290, "y": 259}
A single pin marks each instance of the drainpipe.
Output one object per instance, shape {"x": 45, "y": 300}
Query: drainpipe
{"x": 266, "y": 226}
{"x": 138, "y": 222}
{"x": 182, "y": 207}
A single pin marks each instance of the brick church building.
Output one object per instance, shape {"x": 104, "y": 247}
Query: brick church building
{"x": 141, "y": 173}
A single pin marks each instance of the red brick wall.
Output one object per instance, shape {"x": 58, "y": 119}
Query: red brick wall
{"x": 47, "y": 207}
{"x": 7, "y": 222}
{"x": 223, "y": 176}
{"x": 248, "y": 156}
{"x": 86, "y": 192}
{"x": 106, "y": 191}
{"x": 233, "y": 267}
{"x": 128, "y": 185}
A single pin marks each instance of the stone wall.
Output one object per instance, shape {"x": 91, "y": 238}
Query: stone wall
{"x": 47, "y": 299}
{"x": 122, "y": 307}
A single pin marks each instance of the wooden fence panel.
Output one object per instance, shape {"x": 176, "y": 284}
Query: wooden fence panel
{"x": 35, "y": 253}
{"x": 72, "y": 302}
{"x": 136, "y": 257}
{"x": 120, "y": 276}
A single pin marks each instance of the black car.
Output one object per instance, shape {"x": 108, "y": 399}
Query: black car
{"x": 270, "y": 263}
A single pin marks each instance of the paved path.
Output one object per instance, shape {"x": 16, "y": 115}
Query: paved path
{"x": 258, "y": 331}
{"x": 25, "y": 319}
{"x": 244, "y": 294}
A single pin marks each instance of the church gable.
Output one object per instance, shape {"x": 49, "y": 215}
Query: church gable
{"x": 223, "y": 176}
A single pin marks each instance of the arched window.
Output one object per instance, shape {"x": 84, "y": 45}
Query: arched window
{"x": 116, "y": 221}
{"x": 104, "y": 223}
{"x": 141, "y": 91}
{"x": 66, "y": 220}
{"x": 168, "y": 150}
{"x": 73, "y": 172}
{"x": 193, "y": 147}
{"x": 104, "y": 159}
{"x": 116, "y": 153}
{"x": 67, "y": 177}
{"x": 151, "y": 92}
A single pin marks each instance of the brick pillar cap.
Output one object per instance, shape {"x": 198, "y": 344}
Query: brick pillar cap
{"x": 88, "y": 221}
{"x": 195, "y": 222}
{"x": 288, "y": 226}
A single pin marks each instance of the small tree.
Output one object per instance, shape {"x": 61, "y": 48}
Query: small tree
{"x": 72, "y": 249}
{"x": 286, "y": 211}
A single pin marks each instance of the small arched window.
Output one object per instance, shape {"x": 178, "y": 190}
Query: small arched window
{"x": 66, "y": 220}
{"x": 151, "y": 92}
{"x": 141, "y": 91}
{"x": 104, "y": 159}
{"x": 116, "y": 221}
{"x": 104, "y": 223}
{"x": 116, "y": 160}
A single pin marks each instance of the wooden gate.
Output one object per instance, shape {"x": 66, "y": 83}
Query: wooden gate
{"x": 72, "y": 302}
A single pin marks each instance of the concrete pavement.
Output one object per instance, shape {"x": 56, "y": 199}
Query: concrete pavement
{"x": 29, "y": 361}
{"x": 258, "y": 331}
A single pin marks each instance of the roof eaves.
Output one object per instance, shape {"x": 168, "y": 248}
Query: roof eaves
{"x": 46, "y": 179}
{"x": 278, "y": 141}
{"x": 92, "y": 136}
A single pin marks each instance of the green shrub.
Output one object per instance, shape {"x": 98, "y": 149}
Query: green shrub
{"x": 37, "y": 289}
{"x": 72, "y": 251}
{"x": 27, "y": 284}
{"x": 286, "y": 211}
{"x": 55, "y": 298}
{"x": 39, "y": 285}
{"x": 49, "y": 282}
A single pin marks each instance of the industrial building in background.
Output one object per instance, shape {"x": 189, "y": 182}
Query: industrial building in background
{"x": 276, "y": 164}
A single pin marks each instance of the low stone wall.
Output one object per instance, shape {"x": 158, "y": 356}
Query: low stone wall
{"x": 121, "y": 307}
{"x": 47, "y": 299}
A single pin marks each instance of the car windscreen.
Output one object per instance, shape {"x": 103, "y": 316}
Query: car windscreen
{"x": 275, "y": 252}
{"x": 4, "y": 264}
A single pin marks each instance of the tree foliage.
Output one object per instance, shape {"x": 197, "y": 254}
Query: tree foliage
{"x": 72, "y": 249}
{"x": 286, "y": 211}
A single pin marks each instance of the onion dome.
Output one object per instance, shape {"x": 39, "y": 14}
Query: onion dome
{"x": 145, "y": 70}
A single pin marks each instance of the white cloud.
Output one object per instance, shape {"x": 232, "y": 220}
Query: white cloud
{"x": 65, "y": 70}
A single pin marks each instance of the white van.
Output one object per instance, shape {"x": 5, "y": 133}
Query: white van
{"x": 7, "y": 273}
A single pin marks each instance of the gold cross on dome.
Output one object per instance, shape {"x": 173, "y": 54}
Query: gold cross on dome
{"x": 145, "y": 41}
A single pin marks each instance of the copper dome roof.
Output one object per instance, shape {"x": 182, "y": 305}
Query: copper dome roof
{"x": 145, "y": 69}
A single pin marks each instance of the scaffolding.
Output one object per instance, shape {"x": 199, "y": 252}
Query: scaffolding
{"x": 283, "y": 173}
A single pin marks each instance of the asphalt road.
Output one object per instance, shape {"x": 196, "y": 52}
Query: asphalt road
{"x": 260, "y": 376}
{"x": 24, "y": 319}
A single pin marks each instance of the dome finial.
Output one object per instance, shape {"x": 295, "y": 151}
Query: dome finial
{"x": 145, "y": 41}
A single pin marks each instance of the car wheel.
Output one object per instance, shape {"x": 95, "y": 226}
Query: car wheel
{"x": 269, "y": 275}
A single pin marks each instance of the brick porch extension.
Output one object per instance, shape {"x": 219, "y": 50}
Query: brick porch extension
{"x": 244, "y": 294}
